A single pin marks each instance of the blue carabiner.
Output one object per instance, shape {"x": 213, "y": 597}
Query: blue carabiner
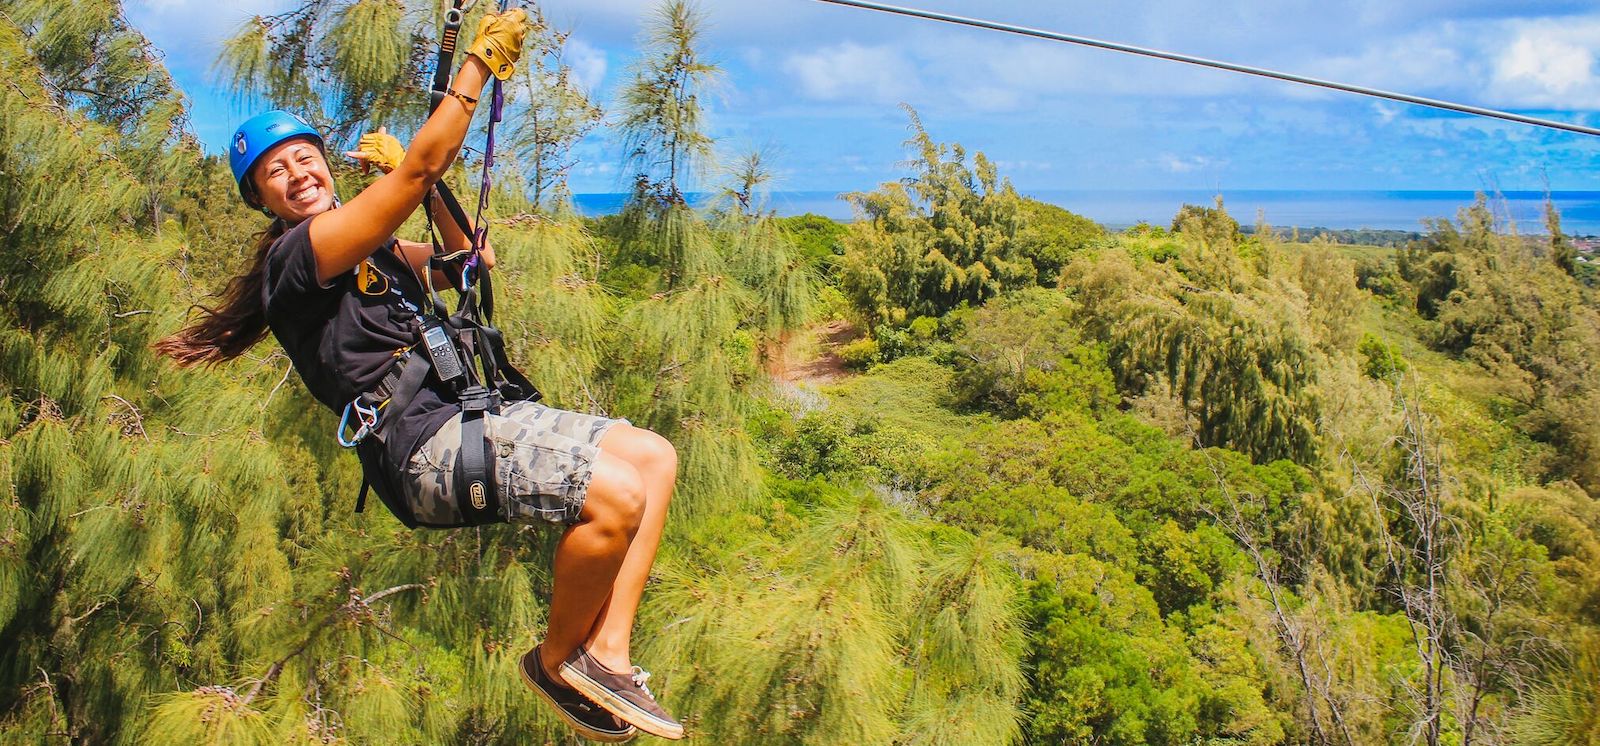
{"x": 367, "y": 416}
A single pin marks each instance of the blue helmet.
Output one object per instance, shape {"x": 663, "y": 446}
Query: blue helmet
{"x": 256, "y": 136}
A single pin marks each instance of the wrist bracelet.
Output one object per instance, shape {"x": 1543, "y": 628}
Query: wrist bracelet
{"x": 465, "y": 100}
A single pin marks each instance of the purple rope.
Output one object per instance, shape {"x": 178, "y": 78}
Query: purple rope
{"x": 481, "y": 235}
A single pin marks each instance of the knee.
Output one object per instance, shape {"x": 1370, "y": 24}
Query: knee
{"x": 658, "y": 455}
{"x": 616, "y": 502}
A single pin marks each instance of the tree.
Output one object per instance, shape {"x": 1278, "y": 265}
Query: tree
{"x": 663, "y": 120}
{"x": 1051, "y": 235}
{"x": 1234, "y": 356}
{"x": 94, "y": 61}
{"x": 1493, "y": 302}
{"x": 728, "y": 283}
{"x": 945, "y": 236}
{"x": 1562, "y": 252}
{"x": 1022, "y": 354}
{"x": 1212, "y": 226}
{"x": 555, "y": 116}
{"x": 350, "y": 65}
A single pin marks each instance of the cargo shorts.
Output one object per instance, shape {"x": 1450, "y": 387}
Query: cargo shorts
{"x": 544, "y": 458}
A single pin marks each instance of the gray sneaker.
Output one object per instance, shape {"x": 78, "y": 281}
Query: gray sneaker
{"x": 624, "y": 694}
{"x": 583, "y": 716}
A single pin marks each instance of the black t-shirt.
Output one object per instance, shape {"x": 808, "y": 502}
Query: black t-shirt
{"x": 342, "y": 338}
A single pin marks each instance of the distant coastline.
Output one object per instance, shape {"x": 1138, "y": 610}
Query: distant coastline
{"x": 1281, "y": 208}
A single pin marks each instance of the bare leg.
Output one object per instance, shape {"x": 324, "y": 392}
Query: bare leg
{"x": 589, "y": 556}
{"x": 657, "y": 464}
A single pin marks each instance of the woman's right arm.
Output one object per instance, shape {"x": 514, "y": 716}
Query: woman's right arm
{"x": 342, "y": 238}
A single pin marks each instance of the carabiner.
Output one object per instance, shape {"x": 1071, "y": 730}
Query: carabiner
{"x": 367, "y": 416}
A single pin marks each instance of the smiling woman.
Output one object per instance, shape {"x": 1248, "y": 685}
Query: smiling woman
{"x": 356, "y": 312}
{"x": 295, "y": 178}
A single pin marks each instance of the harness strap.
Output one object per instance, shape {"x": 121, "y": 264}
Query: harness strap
{"x": 441, "y": 89}
{"x": 476, "y": 495}
{"x": 447, "y": 53}
{"x": 469, "y": 328}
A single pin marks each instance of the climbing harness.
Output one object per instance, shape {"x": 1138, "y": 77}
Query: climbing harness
{"x": 463, "y": 349}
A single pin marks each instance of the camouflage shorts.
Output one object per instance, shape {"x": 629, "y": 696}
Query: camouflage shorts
{"x": 543, "y": 461}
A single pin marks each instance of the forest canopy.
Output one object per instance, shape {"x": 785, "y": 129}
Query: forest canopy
{"x": 1186, "y": 483}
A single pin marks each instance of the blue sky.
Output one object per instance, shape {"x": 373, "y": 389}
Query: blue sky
{"x": 817, "y": 88}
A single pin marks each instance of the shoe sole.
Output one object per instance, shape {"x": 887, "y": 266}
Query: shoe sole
{"x": 572, "y": 722}
{"x": 620, "y": 707}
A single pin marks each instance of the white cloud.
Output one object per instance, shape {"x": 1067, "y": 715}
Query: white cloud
{"x": 991, "y": 98}
{"x": 1550, "y": 64}
{"x": 1010, "y": 167}
{"x": 588, "y": 63}
{"x": 851, "y": 71}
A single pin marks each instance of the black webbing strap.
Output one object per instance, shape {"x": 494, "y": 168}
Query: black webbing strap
{"x": 468, "y": 328}
{"x": 487, "y": 301}
{"x": 441, "y": 84}
{"x": 475, "y": 479}
{"x": 398, "y": 387}
{"x": 447, "y": 54}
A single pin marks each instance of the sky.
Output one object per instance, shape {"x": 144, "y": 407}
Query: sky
{"x": 817, "y": 88}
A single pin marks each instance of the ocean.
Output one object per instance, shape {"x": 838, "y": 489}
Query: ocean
{"x": 1282, "y": 208}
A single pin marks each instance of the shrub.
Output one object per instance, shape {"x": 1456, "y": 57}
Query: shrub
{"x": 860, "y": 354}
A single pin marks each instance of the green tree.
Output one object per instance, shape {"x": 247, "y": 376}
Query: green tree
{"x": 1492, "y": 301}
{"x": 946, "y": 236}
{"x": 1051, "y": 235}
{"x": 688, "y": 354}
{"x": 351, "y": 65}
{"x": 94, "y": 61}
{"x": 557, "y": 115}
{"x": 1238, "y": 359}
{"x": 663, "y": 120}
{"x": 1212, "y": 226}
{"x": 1022, "y": 354}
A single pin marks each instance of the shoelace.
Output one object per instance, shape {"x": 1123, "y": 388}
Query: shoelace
{"x": 639, "y": 677}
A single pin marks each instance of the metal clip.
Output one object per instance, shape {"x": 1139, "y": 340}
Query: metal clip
{"x": 366, "y": 415}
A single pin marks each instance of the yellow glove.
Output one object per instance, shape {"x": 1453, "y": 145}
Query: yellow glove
{"x": 499, "y": 41}
{"x": 379, "y": 149}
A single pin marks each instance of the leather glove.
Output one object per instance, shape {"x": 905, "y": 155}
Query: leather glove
{"x": 499, "y": 41}
{"x": 379, "y": 149}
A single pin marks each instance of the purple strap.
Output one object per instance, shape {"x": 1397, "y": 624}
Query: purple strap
{"x": 480, "y": 236}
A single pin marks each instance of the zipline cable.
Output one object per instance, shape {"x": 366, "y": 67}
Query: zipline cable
{"x": 1203, "y": 62}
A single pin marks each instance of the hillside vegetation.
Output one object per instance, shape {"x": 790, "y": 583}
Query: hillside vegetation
{"x": 1167, "y": 486}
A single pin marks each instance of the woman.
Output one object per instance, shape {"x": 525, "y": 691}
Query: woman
{"x": 343, "y": 298}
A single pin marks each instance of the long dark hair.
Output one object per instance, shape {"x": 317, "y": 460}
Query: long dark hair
{"x": 236, "y": 324}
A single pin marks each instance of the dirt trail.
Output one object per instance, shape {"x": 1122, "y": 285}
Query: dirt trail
{"x": 811, "y": 356}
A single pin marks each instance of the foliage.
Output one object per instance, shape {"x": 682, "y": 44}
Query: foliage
{"x": 1023, "y": 355}
{"x": 1205, "y": 491}
{"x": 944, "y": 237}
{"x": 1238, "y": 358}
{"x": 663, "y": 120}
{"x": 557, "y": 114}
{"x": 94, "y": 61}
{"x": 1383, "y": 361}
{"x": 819, "y": 240}
{"x": 1212, "y": 226}
{"x": 1104, "y": 668}
{"x": 1051, "y": 235}
{"x": 864, "y": 629}
{"x": 1493, "y": 301}
{"x": 351, "y": 65}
